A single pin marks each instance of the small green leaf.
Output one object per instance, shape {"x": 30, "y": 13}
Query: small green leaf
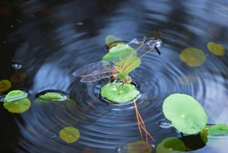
{"x": 185, "y": 113}
{"x": 218, "y": 130}
{"x": 15, "y": 95}
{"x": 69, "y": 134}
{"x": 55, "y": 97}
{"x": 170, "y": 145}
{"x": 120, "y": 56}
{"x": 117, "y": 92}
{"x": 139, "y": 147}
{"x": 16, "y": 102}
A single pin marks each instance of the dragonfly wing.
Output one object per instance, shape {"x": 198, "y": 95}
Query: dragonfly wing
{"x": 93, "y": 78}
{"x": 93, "y": 69}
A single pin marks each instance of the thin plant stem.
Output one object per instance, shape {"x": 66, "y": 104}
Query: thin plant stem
{"x": 141, "y": 124}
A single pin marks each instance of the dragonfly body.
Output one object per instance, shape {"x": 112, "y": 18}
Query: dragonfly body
{"x": 103, "y": 69}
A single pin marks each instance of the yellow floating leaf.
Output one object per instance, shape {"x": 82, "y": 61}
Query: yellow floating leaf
{"x": 193, "y": 56}
{"x": 69, "y": 134}
{"x": 4, "y": 85}
{"x": 17, "y": 106}
{"x": 216, "y": 49}
{"x": 139, "y": 147}
{"x": 112, "y": 41}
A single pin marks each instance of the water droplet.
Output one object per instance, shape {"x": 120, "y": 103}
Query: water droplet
{"x": 80, "y": 23}
{"x": 53, "y": 137}
{"x": 165, "y": 124}
{"x": 16, "y": 65}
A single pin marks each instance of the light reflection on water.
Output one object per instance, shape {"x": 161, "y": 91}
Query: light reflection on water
{"x": 50, "y": 47}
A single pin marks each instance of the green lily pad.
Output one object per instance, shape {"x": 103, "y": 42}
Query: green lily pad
{"x": 112, "y": 41}
{"x": 139, "y": 147}
{"x": 170, "y": 145}
{"x": 214, "y": 130}
{"x": 120, "y": 56}
{"x": 16, "y": 102}
{"x": 15, "y": 95}
{"x": 185, "y": 113}
{"x": 4, "y": 85}
{"x": 216, "y": 49}
{"x": 193, "y": 56}
{"x": 51, "y": 97}
{"x": 69, "y": 134}
{"x": 218, "y": 130}
{"x": 117, "y": 92}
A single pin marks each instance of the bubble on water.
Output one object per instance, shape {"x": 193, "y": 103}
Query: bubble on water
{"x": 165, "y": 125}
{"x": 16, "y": 65}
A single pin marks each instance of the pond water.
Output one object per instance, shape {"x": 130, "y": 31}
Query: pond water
{"x": 52, "y": 39}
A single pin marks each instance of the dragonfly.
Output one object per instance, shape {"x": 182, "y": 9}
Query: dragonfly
{"x": 103, "y": 69}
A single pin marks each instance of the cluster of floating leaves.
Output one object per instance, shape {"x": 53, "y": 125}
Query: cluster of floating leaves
{"x": 185, "y": 113}
{"x": 69, "y": 134}
{"x": 16, "y": 101}
{"x": 195, "y": 57}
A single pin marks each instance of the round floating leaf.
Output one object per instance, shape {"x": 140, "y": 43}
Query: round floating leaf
{"x": 117, "y": 92}
{"x": 112, "y": 41}
{"x": 119, "y": 54}
{"x": 4, "y": 85}
{"x": 15, "y": 95}
{"x": 169, "y": 145}
{"x": 16, "y": 102}
{"x": 69, "y": 134}
{"x": 216, "y": 49}
{"x": 51, "y": 97}
{"x": 185, "y": 113}
{"x": 193, "y": 56}
{"x": 139, "y": 147}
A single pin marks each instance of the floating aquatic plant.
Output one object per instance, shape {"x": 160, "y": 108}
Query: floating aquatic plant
{"x": 214, "y": 130}
{"x": 112, "y": 41}
{"x": 119, "y": 54}
{"x": 216, "y": 49}
{"x": 4, "y": 85}
{"x": 16, "y": 101}
{"x": 185, "y": 113}
{"x": 193, "y": 56}
{"x": 139, "y": 147}
{"x": 69, "y": 134}
{"x": 51, "y": 97}
{"x": 170, "y": 145}
{"x": 118, "y": 92}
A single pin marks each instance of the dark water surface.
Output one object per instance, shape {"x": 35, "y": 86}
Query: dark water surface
{"x": 52, "y": 39}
